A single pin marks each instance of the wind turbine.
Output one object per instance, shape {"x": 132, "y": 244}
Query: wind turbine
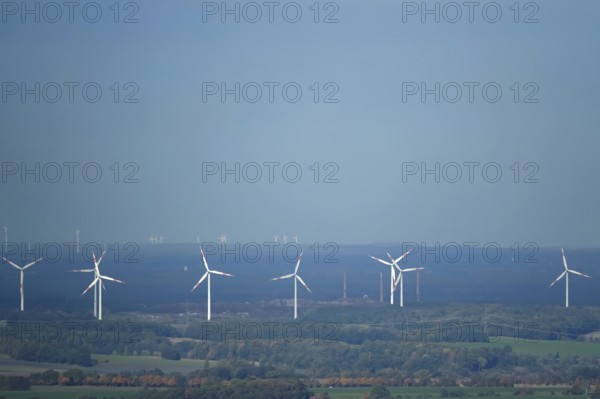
{"x": 400, "y": 279}
{"x": 276, "y": 238}
{"x": 207, "y": 275}
{"x": 161, "y": 239}
{"x": 284, "y": 239}
{"x": 296, "y": 238}
{"x": 5, "y": 235}
{"x": 565, "y": 274}
{"x": 223, "y": 238}
{"x": 98, "y": 281}
{"x": 22, "y": 270}
{"x": 392, "y": 273}
{"x": 296, "y": 279}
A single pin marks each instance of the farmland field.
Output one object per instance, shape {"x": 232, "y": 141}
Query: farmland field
{"x": 61, "y": 392}
{"x": 433, "y": 393}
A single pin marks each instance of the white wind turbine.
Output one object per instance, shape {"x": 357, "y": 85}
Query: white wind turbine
{"x": 22, "y": 270}
{"x": 296, "y": 238}
{"x": 207, "y": 275}
{"x": 97, "y": 281}
{"x": 276, "y": 238}
{"x": 392, "y": 273}
{"x": 296, "y": 279}
{"x": 284, "y": 239}
{"x": 565, "y": 274}
{"x": 223, "y": 238}
{"x": 400, "y": 279}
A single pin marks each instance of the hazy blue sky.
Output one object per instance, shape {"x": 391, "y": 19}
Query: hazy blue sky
{"x": 369, "y": 133}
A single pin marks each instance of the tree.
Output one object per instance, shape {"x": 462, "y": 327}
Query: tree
{"x": 169, "y": 352}
{"x": 380, "y": 392}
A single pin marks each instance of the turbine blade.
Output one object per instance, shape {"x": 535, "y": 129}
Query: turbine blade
{"x": 221, "y": 273}
{"x": 282, "y": 277}
{"x": 564, "y": 259}
{"x": 380, "y": 260}
{"x": 402, "y": 256}
{"x": 298, "y": 263}
{"x": 90, "y": 286}
{"x": 303, "y": 283}
{"x": 82, "y": 270}
{"x": 397, "y": 280}
{"x": 32, "y": 263}
{"x": 578, "y": 273}
{"x": 412, "y": 269}
{"x": 200, "y": 281}
{"x": 112, "y": 279}
{"x": 12, "y": 264}
{"x": 558, "y": 278}
{"x": 100, "y": 260}
{"x": 204, "y": 259}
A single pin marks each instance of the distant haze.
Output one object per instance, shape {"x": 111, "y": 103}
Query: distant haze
{"x": 367, "y": 62}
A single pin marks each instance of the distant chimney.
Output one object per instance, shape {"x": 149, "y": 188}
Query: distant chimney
{"x": 345, "y": 288}
{"x": 381, "y": 287}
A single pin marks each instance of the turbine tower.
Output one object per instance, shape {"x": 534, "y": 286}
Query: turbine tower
{"x": 207, "y": 275}
{"x": 296, "y": 279}
{"x": 565, "y": 274}
{"x": 418, "y": 287}
{"x": 97, "y": 284}
{"x": 22, "y": 270}
{"x": 400, "y": 279}
{"x": 77, "y": 239}
{"x": 392, "y": 273}
{"x": 5, "y": 235}
{"x": 380, "y": 287}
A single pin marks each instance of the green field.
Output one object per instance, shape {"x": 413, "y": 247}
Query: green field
{"x": 434, "y": 393}
{"x": 60, "y": 392}
{"x": 116, "y": 363}
{"x": 539, "y": 348}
